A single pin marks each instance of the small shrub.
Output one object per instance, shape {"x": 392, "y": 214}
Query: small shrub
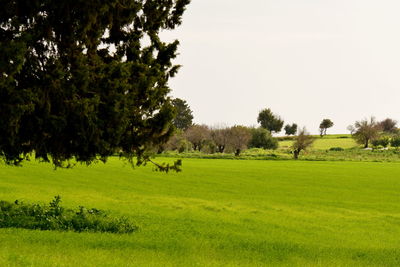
{"x": 55, "y": 217}
{"x": 209, "y": 147}
{"x": 395, "y": 142}
{"x": 383, "y": 142}
{"x": 336, "y": 149}
{"x": 184, "y": 146}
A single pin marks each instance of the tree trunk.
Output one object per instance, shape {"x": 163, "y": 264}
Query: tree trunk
{"x": 296, "y": 154}
{"x": 366, "y": 143}
{"x": 237, "y": 152}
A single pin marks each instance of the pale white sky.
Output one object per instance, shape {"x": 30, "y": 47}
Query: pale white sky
{"x": 305, "y": 59}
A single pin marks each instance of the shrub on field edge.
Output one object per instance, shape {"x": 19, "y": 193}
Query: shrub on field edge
{"x": 262, "y": 138}
{"x": 383, "y": 142}
{"x": 55, "y": 217}
{"x": 395, "y": 142}
{"x": 336, "y": 149}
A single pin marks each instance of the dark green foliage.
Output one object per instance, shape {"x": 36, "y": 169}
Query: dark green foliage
{"x": 166, "y": 167}
{"x": 383, "y": 142}
{"x": 291, "y": 129}
{"x": 184, "y": 116}
{"x": 270, "y": 121}
{"x": 324, "y": 125}
{"x": 395, "y": 142}
{"x": 336, "y": 149}
{"x": 262, "y": 138}
{"x": 84, "y": 79}
{"x": 55, "y": 217}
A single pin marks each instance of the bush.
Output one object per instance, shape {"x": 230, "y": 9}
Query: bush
{"x": 178, "y": 142}
{"x": 383, "y": 141}
{"x": 55, "y": 217}
{"x": 336, "y": 149}
{"x": 209, "y": 147}
{"x": 261, "y": 138}
{"x": 395, "y": 142}
{"x": 184, "y": 146}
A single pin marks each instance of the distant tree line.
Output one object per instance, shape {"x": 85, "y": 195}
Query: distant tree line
{"x": 233, "y": 139}
{"x": 223, "y": 139}
{"x": 376, "y": 133}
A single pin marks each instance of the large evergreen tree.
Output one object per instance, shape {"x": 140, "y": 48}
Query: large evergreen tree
{"x": 83, "y": 79}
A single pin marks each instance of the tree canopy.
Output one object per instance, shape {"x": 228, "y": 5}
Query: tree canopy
{"x": 366, "y": 131}
{"x": 291, "y": 129}
{"x": 239, "y": 137}
{"x": 85, "y": 79}
{"x": 270, "y": 121}
{"x": 324, "y": 125}
{"x": 184, "y": 116}
{"x": 262, "y": 138}
{"x": 198, "y": 135}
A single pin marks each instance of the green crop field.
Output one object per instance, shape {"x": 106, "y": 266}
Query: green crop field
{"x": 215, "y": 213}
{"x": 326, "y": 142}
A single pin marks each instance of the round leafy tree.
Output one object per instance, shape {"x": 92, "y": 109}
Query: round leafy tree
{"x": 85, "y": 79}
{"x": 270, "y": 121}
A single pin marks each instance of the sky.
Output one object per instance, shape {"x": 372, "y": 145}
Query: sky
{"x": 306, "y": 60}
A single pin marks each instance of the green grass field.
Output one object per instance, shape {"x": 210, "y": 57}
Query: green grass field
{"x": 215, "y": 213}
{"x": 326, "y": 142}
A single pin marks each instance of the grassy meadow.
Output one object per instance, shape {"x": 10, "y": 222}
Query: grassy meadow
{"x": 340, "y": 140}
{"x": 215, "y": 213}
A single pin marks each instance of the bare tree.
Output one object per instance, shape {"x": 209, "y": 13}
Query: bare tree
{"x": 239, "y": 137}
{"x": 366, "y": 131}
{"x": 220, "y": 137}
{"x": 197, "y": 135}
{"x": 388, "y": 125}
{"x": 301, "y": 142}
{"x": 351, "y": 129}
